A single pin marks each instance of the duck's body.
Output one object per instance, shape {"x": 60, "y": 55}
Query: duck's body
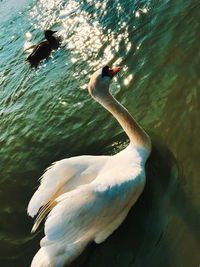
{"x": 43, "y": 49}
{"x": 89, "y": 196}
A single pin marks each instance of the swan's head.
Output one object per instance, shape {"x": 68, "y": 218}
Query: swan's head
{"x": 100, "y": 81}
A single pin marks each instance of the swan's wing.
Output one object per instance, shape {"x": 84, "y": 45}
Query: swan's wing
{"x": 72, "y": 215}
{"x": 64, "y": 176}
{"x": 67, "y": 228}
{"x": 89, "y": 212}
{"x": 89, "y": 208}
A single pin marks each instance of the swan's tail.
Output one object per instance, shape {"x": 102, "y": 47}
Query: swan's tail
{"x": 52, "y": 256}
{"x": 41, "y": 259}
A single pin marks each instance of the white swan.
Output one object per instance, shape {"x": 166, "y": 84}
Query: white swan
{"x": 88, "y": 197}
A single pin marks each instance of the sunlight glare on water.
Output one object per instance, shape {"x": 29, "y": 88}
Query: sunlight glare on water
{"x": 82, "y": 33}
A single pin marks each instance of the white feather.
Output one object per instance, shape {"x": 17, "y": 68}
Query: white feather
{"x": 92, "y": 211}
{"x": 67, "y": 172}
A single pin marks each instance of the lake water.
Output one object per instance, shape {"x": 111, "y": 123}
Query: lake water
{"x": 47, "y": 114}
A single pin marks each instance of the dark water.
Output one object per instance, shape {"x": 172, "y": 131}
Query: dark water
{"x": 47, "y": 114}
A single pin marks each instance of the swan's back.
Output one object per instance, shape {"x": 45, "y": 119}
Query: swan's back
{"x": 92, "y": 211}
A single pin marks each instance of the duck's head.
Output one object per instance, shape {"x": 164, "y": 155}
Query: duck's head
{"x": 49, "y": 33}
{"x": 100, "y": 81}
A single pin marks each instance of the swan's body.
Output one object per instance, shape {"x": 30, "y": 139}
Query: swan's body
{"x": 89, "y": 196}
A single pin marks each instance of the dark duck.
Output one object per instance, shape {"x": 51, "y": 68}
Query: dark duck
{"x": 43, "y": 49}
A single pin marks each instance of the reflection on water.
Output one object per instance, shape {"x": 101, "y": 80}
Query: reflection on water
{"x": 47, "y": 114}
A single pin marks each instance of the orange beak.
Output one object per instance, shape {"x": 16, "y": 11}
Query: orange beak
{"x": 114, "y": 71}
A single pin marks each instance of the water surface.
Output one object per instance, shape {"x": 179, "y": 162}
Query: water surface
{"x": 47, "y": 114}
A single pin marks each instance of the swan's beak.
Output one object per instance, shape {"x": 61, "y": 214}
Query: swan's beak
{"x": 114, "y": 71}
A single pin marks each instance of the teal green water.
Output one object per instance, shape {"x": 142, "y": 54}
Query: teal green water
{"x": 47, "y": 114}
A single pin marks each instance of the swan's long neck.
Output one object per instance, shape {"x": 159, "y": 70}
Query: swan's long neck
{"x": 136, "y": 134}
